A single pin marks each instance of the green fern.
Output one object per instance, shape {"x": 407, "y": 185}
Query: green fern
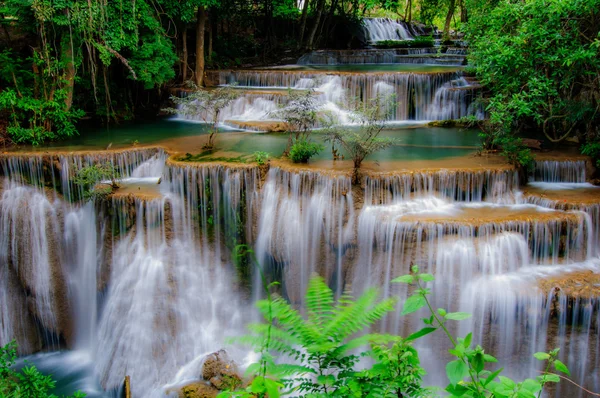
{"x": 317, "y": 351}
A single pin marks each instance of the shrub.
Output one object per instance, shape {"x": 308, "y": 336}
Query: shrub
{"x": 261, "y": 157}
{"x": 26, "y": 383}
{"x": 303, "y": 150}
{"x": 88, "y": 177}
{"x": 418, "y": 42}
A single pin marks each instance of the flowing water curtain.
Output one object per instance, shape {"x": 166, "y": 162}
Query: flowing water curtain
{"x": 306, "y": 222}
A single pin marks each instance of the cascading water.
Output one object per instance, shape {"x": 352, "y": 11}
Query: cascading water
{"x": 417, "y": 96}
{"x": 383, "y": 56}
{"x": 379, "y": 29}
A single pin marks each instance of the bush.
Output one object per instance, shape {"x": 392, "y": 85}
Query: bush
{"x": 303, "y": 150}
{"x": 261, "y": 157}
{"x": 418, "y": 42}
{"x": 88, "y": 177}
{"x": 592, "y": 149}
{"x": 26, "y": 383}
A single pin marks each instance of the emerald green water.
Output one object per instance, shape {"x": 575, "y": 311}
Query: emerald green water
{"x": 413, "y": 142}
{"x": 365, "y": 68}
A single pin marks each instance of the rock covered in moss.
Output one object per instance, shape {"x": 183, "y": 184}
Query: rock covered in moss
{"x": 221, "y": 371}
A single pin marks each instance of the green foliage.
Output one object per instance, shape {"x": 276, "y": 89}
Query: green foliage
{"x": 592, "y": 149}
{"x": 300, "y": 113}
{"x": 261, "y": 157}
{"x": 32, "y": 119}
{"x": 207, "y": 104}
{"x": 303, "y": 149}
{"x": 26, "y": 383}
{"x": 418, "y": 42}
{"x": 88, "y": 179}
{"x": 540, "y": 59}
{"x": 321, "y": 345}
{"x": 467, "y": 374}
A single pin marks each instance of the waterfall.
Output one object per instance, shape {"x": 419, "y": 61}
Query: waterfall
{"x": 306, "y": 222}
{"x": 455, "y": 99}
{"x": 379, "y": 29}
{"x": 418, "y": 96}
{"x": 147, "y": 285}
{"x": 382, "y": 56}
{"x": 560, "y": 171}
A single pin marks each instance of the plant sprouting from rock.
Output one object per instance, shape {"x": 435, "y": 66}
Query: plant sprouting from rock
{"x": 89, "y": 179}
{"x": 362, "y": 140}
{"x": 206, "y": 103}
{"x": 300, "y": 114}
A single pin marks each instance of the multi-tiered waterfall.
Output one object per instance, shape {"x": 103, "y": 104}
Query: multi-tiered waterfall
{"x": 146, "y": 281}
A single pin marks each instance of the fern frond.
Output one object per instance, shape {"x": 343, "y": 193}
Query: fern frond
{"x": 319, "y": 302}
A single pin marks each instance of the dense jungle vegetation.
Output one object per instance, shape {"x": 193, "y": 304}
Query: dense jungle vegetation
{"x": 68, "y": 60}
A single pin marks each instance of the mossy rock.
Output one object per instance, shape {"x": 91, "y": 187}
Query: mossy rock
{"x": 199, "y": 390}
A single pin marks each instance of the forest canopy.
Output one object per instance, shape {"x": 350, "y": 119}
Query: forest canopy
{"x": 539, "y": 60}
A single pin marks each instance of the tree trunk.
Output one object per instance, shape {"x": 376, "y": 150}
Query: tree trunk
{"x": 313, "y": 31}
{"x": 408, "y": 11}
{"x": 200, "y": 27}
{"x": 184, "y": 73}
{"x": 464, "y": 18}
{"x": 449, "y": 20}
{"x": 210, "y": 40}
{"x": 68, "y": 58}
{"x": 303, "y": 23}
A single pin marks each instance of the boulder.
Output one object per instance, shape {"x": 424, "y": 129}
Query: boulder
{"x": 221, "y": 371}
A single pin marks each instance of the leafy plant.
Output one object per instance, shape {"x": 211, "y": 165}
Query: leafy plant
{"x": 592, "y": 149}
{"x": 320, "y": 345}
{"x": 467, "y": 374}
{"x": 417, "y": 42}
{"x": 553, "y": 93}
{"x": 29, "y": 382}
{"x": 300, "y": 113}
{"x": 207, "y": 104}
{"x": 261, "y": 157}
{"x": 89, "y": 177}
{"x": 303, "y": 150}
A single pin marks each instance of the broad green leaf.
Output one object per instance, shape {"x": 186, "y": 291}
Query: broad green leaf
{"x": 456, "y": 371}
{"x": 531, "y": 385}
{"x": 489, "y": 358}
{"x": 408, "y": 279}
{"x": 458, "y": 316}
{"x": 509, "y": 383}
{"x": 468, "y": 339}
{"x": 426, "y": 277}
{"x": 550, "y": 377}
{"x": 413, "y": 303}
{"x": 491, "y": 377}
{"x": 561, "y": 367}
{"x": 477, "y": 362}
{"x": 542, "y": 356}
{"x": 421, "y": 333}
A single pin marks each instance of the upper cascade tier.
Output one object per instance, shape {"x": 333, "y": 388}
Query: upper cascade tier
{"x": 380, "y": 29}
{"x": 414, "y": 96}
{"x": 453, "y": 57}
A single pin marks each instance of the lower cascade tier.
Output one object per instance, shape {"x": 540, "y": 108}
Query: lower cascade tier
{"x": 147, "y": 281}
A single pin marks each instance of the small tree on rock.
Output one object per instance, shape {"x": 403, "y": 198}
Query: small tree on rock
{"x": 359, "y": 142}
{"x": 300, "y": 114}
{"x": 207, "y": 104}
